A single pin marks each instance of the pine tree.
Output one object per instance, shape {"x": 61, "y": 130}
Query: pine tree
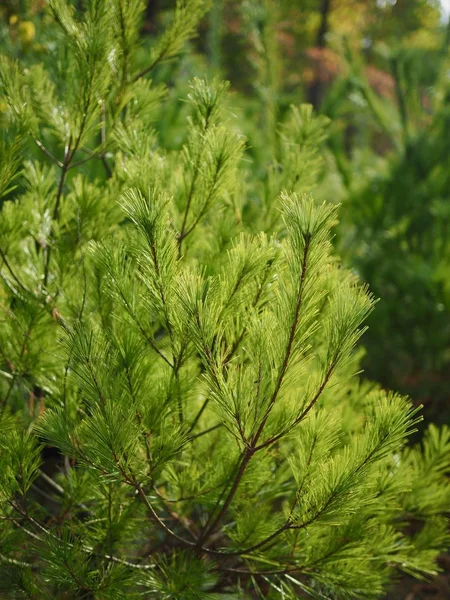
{"x": 180, "y": 415}
{"x": 397, "y": 218}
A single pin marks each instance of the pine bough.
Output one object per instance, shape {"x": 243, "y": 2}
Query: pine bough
{"x": 180, "y": 414}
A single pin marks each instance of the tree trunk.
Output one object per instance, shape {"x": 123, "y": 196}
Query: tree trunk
{"x": 315, "y": 91}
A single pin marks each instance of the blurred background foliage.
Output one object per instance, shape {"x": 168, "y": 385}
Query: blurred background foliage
{"x": 380, "y": 71}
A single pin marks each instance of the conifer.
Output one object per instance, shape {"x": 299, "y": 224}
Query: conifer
{"x": 180, "y": 412}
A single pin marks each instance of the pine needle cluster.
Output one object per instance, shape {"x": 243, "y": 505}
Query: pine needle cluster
{"x": 180, "y": 413}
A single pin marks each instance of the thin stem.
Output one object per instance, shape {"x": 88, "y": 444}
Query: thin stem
{"x": 213, "y": 428}
{"x": 87, "y": 549}
{"x": 182, "y": 234}
{"x": 44, "y": 494}
{"x": 300, "y": 489}
{"x": 251, "y": 449}
{"x": 257, "y": 298}
{"x": 334, "y": 493}
{"x": 12, "y": 561}
{"x": 156, "y": 517}
{"x": 290, "y": 344}
{"x": 8, "y": 394}
{"x": 64, "y": 169}
{"x": 175, "y": 516}
{"x": 13, "y": 275}
{"x": 304, "y": 413}
{"x": 47, "y": 152}
{"x": 103, "y": 139}
{"x": 147, "y": 69}
{"x": 269, "y": 538}
{"x": 185, "y": 232}
{"x": 51, "y": 482}
{"x": 145, "y": 434}
{"x": 198, "y": 415}
{"x": 281, "y": 571}
{"x": 83, "y": 161}
{"x": 141, "y": 328}
{"x": 4, "y": 402}
{"x": 69, "y": 153}
{"x": 221, "y": 495}
{"x": 191, "y": 192}
{"x": 245, "y": 459}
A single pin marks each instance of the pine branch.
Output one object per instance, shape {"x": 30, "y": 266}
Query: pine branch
{"x": 47, "y": 152}
{"x": 11, "y": 271}
{"x": 198, "y": 415}
{"x": 205, "y": 431}
{"x": 16, "y": 563}
{"x": 290, "y": 343}
{"x": 62, "y": 179}
{"x": 251, "y": 449}
{"x": 252, "y": 329}
{"x": 334, "y": 494}
{"x": 193, "y": 184}
{"x": 141, "y": 328}
{"x": 87, "y": 549}
{"x": 180, "y": 30}
{"x": 280, "y": 571}
{"x": 23, "y": 348}
{"x": 255, "y": 302}
{"x": 304, "y": 413}
{"x": 156, "y": 518}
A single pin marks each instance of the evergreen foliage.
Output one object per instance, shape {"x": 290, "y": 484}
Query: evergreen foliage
{"x": 396, "y": 227}
{"x": 180, "y": 413}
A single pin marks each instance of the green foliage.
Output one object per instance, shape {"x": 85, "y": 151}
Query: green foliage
{"x": 395, "y": 226}
{"x": 179, "y": 412}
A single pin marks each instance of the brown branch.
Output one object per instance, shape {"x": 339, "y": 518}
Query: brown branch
{"x": 244, "y": 460}
{"x": 83, "y": 161}
{"x": 304, "y": 413}
{"x": 251, "y": 449}
{"x": 156, "y": 517}
{"x": 290, "y": 343}
{"x": 268, "y": 539}
{"x": 69, "y": 153}
{"x": 47, "y": 152}
{"x": 148, "y": 69}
